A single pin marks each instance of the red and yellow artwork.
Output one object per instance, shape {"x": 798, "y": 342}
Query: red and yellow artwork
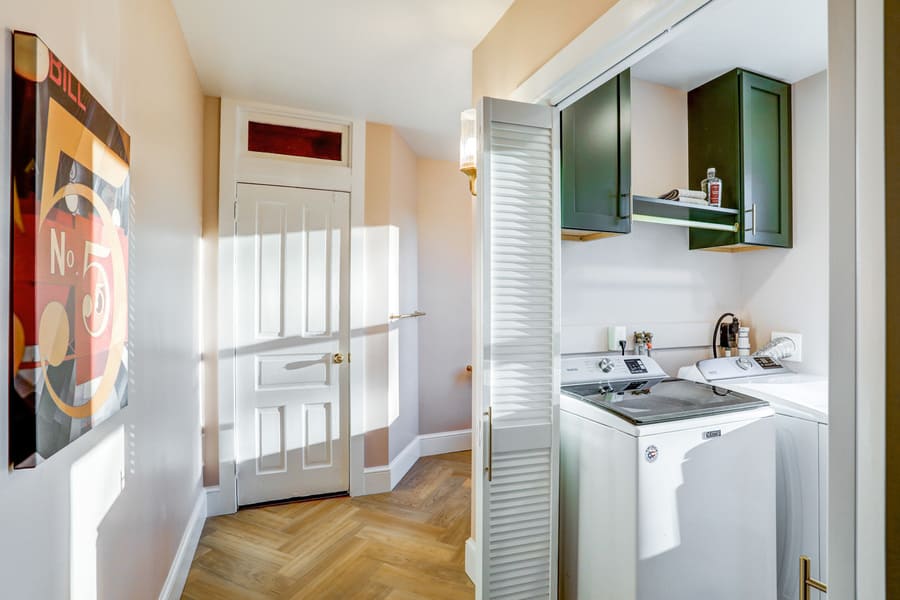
{"x": 70, "y": 207}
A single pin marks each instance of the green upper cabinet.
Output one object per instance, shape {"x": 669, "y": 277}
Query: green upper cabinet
{"x": 596, "y": 161}
{"x": 740, "y": 123}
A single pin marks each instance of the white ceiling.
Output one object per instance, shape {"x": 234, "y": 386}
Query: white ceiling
{"x": 785, "y": 39}
{"x": 402, "y": 62}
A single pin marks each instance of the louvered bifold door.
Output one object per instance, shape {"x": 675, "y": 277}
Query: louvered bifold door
{"x": 516, "y": 348}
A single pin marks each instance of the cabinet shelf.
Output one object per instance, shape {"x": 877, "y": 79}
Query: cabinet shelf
{"x": 684, "y": 214}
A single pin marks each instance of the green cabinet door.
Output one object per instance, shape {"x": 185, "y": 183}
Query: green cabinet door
{"x": 766, "y": 149}
{"x": 740, "y": 123}
{"x": 595, "y": 160}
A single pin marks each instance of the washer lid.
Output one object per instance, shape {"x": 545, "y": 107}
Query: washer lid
{"x": 659, "y": 400}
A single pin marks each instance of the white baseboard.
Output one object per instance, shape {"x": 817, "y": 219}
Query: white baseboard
{"x": 472, "y": 561}
{"x": 222, "y": 499}
{"x": 181, "y": 564}
{"x": 379, "y": 480}
{"x": 219, "y": 502}
{"x": 404, "y": 461}
{"x": 444, "y": 442}
{"x": 376, "y": 480}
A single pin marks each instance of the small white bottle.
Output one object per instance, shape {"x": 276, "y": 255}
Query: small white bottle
{"x": 743, "y": 343}
{"x": 712, "y": 185}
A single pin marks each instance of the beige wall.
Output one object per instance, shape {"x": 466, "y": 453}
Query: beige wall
{"x": 377, "y": 216}
{"x": 391, "y": 286}
{"x": 787, "y": 290}
{"x": 529, "y": 34}
{"x": 445, "y": 293}
{"x": 404, "y": 298}
{"x": 134, "y": 60}
{"x": 209, "y": 278}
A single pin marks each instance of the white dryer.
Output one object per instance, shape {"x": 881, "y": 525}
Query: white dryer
{"x": 800, "y": 402}
{"x": 667, "y": 487}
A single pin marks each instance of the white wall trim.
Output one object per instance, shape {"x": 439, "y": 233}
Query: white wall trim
{"x": 472, "y": 561}
{"x": 404, "y": 461}
{"x": 236, "y": 165}
{"x": 379, "y": 480}
{"x": 217, "y": 503}
{"x": 871, "y": 392}
{"x": 357, "y": 307}
{"x": 376, "y": 480}
{"x": 385, "y": 478}
{"x": 626, "y": 33}
{"x": 444, "y": 442}
{"x": 184, "y": 556}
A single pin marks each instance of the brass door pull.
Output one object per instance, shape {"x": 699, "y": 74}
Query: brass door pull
{"x": 338, "y": 358}
{"x": 489, "y": 451}
{"x": 807, "y": 583}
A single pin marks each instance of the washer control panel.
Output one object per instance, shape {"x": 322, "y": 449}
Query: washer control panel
{"x": 734, "y": 367}
{"x": 582, "y": 368}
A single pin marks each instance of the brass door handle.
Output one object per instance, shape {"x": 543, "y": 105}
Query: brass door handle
{"x": 338, "y": 358}
{"x": 489, "y": 451}
{"x": 807, "y": 582}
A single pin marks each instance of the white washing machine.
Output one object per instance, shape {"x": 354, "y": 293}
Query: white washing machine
{"x": 800, "y": 402}
{"x": 667, "y": 487}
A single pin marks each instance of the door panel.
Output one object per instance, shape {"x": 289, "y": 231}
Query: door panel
{"x": 797, "y": 485}
{"x": 596, "y": 160}
{"x": 292, "y": 264}
{"x": 765, "y": 114}
{"x": 516, "y": 344}
{"x": 271, "y": 452}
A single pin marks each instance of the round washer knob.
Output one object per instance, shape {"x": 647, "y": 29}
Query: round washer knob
{"x": 606, "y": 365}
{"x": 744, "y": 363}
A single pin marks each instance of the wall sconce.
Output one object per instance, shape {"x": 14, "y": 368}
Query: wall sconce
{"x": 468, "y": 147}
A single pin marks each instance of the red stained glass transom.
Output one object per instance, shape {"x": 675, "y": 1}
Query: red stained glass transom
{"x": 294, "y": 141}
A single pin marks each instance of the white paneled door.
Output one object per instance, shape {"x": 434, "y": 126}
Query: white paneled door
{"x": 517, "y": 351}
{"x": 291, "y": 334}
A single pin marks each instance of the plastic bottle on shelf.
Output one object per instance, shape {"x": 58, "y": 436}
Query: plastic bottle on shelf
{"x": 712, "y": 185}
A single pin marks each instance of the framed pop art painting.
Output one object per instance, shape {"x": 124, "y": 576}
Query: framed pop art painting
{"x": 69, "y": 257}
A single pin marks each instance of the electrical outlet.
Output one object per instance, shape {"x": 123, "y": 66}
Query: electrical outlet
{"x": 614, "y": 334}
{"x": 798, "y": 343}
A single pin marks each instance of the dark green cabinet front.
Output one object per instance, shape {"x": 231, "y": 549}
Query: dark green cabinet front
{"x": 740, "y": 123}
{"x": 595, "y": 160}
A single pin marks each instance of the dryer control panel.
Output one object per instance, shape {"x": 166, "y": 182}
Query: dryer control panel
{"x": 735, "y": 367}
{"x": 580, "y": 368}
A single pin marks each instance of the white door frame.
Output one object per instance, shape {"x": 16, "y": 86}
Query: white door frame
{"x": 632, "y": 29}
{"x": 237, "y": 165}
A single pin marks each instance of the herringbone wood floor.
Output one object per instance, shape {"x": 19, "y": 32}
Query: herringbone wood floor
{"x": 405, "y": 545}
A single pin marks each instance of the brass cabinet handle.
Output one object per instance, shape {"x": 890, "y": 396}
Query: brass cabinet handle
{"x": 489, "y": 451}
{"x": 807, "y": 582}
{"x": 468, "y": 368}
{"x": 338, "y": 358}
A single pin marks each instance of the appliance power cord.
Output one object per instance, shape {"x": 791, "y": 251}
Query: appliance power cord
{"x": 716, "y": 332}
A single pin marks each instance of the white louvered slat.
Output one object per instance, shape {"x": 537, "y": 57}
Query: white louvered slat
{"x": 519, "y": 253}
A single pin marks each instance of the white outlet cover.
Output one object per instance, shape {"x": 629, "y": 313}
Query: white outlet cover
{"x": 798, "y": 342}
{"x": 614, "y": 334}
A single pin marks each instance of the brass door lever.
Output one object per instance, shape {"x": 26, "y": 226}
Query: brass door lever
{"x": 807, "y": 583}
